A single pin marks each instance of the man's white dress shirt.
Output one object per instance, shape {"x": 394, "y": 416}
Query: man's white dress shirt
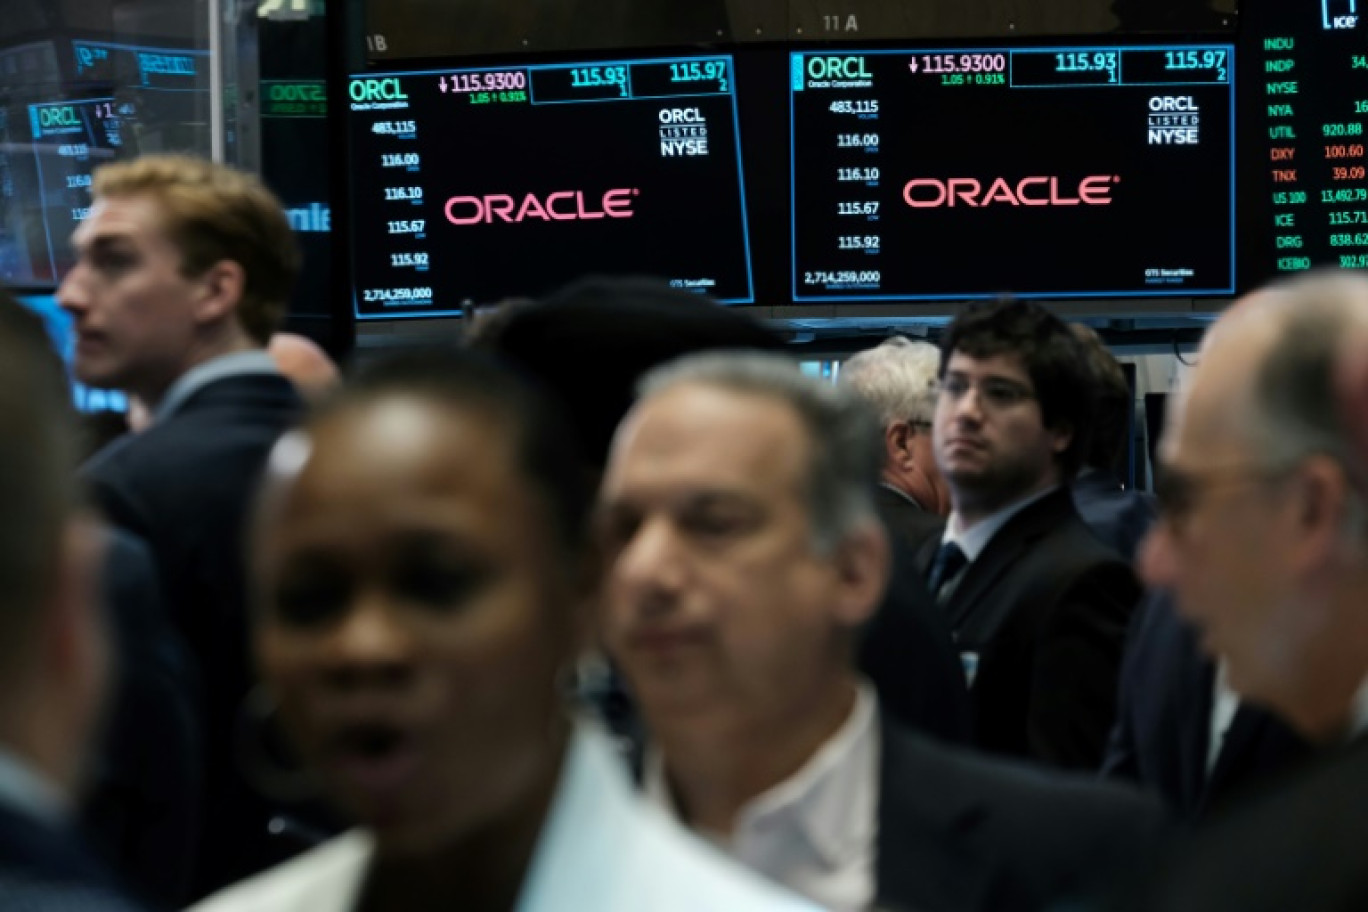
{"x": 816, "y": 832}
{"x": 973, "y": 542}
{"x": 24, "y": 789}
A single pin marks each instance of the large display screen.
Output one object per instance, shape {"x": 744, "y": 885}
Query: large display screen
{"x": 1055, "y": 172}
{"x": 70, "y": 138}
{"x": 57, "y": 125}
{"x": 479, "y": 184}
{"x": 1308, "y": 126}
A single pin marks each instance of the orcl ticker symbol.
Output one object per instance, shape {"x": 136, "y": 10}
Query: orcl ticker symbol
{"x": 563, "y": 206}
{"x": 930, "y": 193}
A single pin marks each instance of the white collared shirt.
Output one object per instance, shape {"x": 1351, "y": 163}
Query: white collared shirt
{"x": 1225, "y": 703}
{"x": 1358, "y": 711}
{"x": 816, "y": 832}
{"x": 255, "y": 361}
{"x": 973, "y": 541}
{"x": 24, "y": 789}
{"x": 601, "y": 849}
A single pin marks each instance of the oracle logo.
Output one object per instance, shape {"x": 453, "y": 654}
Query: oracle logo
{"x": 562, "y": 206}
{"x": 930, "y": 193}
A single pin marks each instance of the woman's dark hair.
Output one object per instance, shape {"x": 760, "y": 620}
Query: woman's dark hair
{"x": 1111, "y": 428}
{"x": 593, "y": 340}
{"x": 545, "y": 444}
{"x": 1053, "y": 358}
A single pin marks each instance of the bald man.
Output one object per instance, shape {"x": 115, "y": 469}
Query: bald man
{"x": 1263, "y": 538}
{"x": 305, "y": 363}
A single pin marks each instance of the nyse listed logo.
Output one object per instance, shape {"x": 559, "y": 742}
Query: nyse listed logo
{"x": 1174, "y": 120}
{"x": 683, "y": 132}
{"x": 562, "y": 206}
{"x": 970, "y": 192}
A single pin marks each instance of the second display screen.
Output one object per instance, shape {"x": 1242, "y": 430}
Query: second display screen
{"x": 1047, "y": 172}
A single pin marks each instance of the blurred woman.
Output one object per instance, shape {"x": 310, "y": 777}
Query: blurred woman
{"x": 425, "y": 586}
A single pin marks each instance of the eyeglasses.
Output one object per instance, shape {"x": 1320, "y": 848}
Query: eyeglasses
{"x": 995, "y": 392}
{"x": 1177, "y": 492}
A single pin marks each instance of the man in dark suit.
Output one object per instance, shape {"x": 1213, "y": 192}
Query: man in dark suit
{"x": 54, "y": 658}
{"x": 1263, "y": 541}
{"x": 744, "y": 553}
{"x": 141, "y": 807}
{"x": 907, "y": 649}
{"x": 1118, "y": 516}
{"x": 1181, "y": 734}
{"x": 1038, "y": 605}
{"x": 898, "y": 378}
{"x": 183, "y": 271}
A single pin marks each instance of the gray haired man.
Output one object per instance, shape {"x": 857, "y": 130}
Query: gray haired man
{"x": 744, "y": 552}
{"x": 899, "y": 378}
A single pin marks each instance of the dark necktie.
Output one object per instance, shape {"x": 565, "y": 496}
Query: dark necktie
{"x": 950, "y": 560}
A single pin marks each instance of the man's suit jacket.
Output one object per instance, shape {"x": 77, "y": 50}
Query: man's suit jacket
{"x": 1298, "y": 846}
{"x": 906, "y": 520}
{"x": 141, "y": 808}
{"x": 907, "y": 652}
{"x": 963, "y": 832}
{"x": 1043, "y": 611}
{"x": 1120, "y": 518}
{"x": 45, "y": 869}
{"x": 1163, "y": 720}
{"x": 185, "y": 486}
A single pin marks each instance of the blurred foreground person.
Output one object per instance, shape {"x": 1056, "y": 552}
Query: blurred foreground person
{"x": 1180, "y": 731}
{"x": 140, "y": 804}
{"x": 745, "y": 553}
{"x": 1263, "y": 539}
{"x": 591, "y": 342}
{"x": 54, "y": 653}
{"x": 426, "y": 585}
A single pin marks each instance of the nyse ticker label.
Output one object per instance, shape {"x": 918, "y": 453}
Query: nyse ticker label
{"x": 683, "y": 132}
{"x": 371, "y": 94}
{"x": 1174, "y": 120}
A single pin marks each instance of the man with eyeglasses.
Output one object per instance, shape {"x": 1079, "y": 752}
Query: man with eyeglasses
{"x": 1263, "y": 538}
{"x": 1038, "y": 605}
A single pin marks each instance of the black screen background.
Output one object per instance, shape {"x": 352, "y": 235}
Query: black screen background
{"x": 1171, "y": 207}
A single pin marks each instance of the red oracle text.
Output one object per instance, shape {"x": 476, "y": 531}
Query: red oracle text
{"x": 931, "y": 193}
{"x": 562, "y": 206}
